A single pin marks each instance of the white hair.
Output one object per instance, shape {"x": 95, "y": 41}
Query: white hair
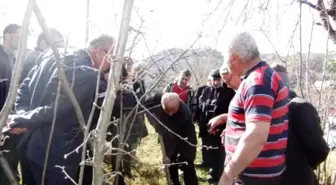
{"x": 139, "y": 65}
{"x": 245, "y": 46}
{"x": 169, "y": 96}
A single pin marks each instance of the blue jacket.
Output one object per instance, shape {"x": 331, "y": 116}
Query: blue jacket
{"x": 36, "y": 99}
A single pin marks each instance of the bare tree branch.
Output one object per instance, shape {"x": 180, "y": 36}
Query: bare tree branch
{"x": 14, "y": 84}
{"x": 108, "y": 103}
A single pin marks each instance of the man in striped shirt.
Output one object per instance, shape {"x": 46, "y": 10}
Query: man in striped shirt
{"x": 257, "y": 122}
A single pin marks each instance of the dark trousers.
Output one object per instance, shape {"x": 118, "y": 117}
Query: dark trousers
{"x": 205, "y": 151}
{"x": 87, "y": 176}
{"x": 12, "y": 156}
{"x": 244, "y": 180}
{"x": 189, "y": 172}
{"x": 214, "y": 157}
{"x": 26, "y": 173}
{"x": 54, "y": 176}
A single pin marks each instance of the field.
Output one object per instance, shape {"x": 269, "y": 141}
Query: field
{"x": 149, "y": 170}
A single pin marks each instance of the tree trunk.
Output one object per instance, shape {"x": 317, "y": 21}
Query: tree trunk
{"x": 108, "y": 103}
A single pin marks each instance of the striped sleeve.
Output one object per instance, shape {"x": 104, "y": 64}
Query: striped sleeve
{"x": 258, "y": 104}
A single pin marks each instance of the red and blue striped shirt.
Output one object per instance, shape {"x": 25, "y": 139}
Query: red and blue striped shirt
{"x": 261, "y": 97}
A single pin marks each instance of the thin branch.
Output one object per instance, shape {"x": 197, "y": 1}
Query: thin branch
{"x": 14, "y": 84}
{"x": 311, "y": 5}
{"x": 67, "y": 176}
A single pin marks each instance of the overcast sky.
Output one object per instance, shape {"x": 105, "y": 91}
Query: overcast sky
{"x": 176, "y": 23}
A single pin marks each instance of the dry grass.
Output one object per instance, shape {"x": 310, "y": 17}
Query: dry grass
{"x": 328, "y": 170}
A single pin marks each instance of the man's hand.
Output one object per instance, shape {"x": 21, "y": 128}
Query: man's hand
{"x": 225, "y": 180}
{"x": 215, "y": 122}
{"x": 7, "y": 128}
{"x": 223, "y": 137}
{"x": 17, "y": 131}
{"x": 106, "y": 75}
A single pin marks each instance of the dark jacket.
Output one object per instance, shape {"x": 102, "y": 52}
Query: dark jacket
{"x": 306, "y": 148}
{"x": 13, "y": 155}
{"x": 180, "y": 123}
{"x": 140, "y": 89}
{"x": 198, "y": 111}
{"x": 30, "y": 63}
{"x": 37, "y": 97}
{"x": 191, "y": 102}
{"x": 213, "y": 102}
{"x": 5, "y": 75}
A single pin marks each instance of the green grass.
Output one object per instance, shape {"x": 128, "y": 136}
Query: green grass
{"x": 149, "y": 169}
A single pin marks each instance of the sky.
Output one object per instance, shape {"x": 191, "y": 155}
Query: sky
{"x": 177, "y": 23}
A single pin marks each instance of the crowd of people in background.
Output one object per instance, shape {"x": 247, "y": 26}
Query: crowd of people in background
{"x": 253, "y": 128}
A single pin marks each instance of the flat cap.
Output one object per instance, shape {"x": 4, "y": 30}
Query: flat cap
{"x": 224, "y": 69}
{"x": 215, "y": 73}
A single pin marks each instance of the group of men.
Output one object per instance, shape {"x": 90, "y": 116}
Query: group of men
{"x": 254, "y": 130}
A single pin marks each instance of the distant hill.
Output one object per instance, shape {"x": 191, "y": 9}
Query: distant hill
{"x": 200, "y": 61}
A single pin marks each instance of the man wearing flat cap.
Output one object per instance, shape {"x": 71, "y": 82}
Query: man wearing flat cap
{"x": 214, "y": 100}
{"x": 232, "y": 80}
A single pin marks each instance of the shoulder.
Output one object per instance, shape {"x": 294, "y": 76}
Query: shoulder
{"x": 184, "y": 108}
{"x": 32, "y": 57}
{"x": 79, "y": 65}
{"x": 169, "y": 86}
{"x": 3, "y": 56}
{"x": 300, "y": 102}
{"x": 264, "y": 76}
{"x": 264, "y": 81}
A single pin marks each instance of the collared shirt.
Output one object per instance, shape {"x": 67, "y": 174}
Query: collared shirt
{"x": 261, "y": 97}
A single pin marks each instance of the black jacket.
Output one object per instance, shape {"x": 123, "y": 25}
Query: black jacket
{"x": 213, "y": 102}
{"x": 140, "y": 89}
{"x": 198, "y": 111}
{"x": 29, "y": 63}
{"x": 306, "y": 148}
{"x": 180, "y": 123}
{"x": 5, "y": 76}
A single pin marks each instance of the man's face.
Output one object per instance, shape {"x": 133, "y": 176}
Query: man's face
{"x": 184, "y": 81}
{"x": 217, "y": 82}
{"x": 232, "y": 81}
{"x": 15, "y": 39}
{"x": 102, "y": 58}
{"x": 138, "y": 73}
{"x": 234, "y": 64}
{"x": 59, "y": 42}
{"x": 43, "y": 45}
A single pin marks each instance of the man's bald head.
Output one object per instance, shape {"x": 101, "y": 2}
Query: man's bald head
{"x": 170, "y": 103}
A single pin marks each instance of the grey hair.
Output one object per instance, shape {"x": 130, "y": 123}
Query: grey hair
{"x": 105, "y": 41}
{"x": 169, "y": 96}
{"x": 139, "y": 65}
{"x": 245, "y": 46}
